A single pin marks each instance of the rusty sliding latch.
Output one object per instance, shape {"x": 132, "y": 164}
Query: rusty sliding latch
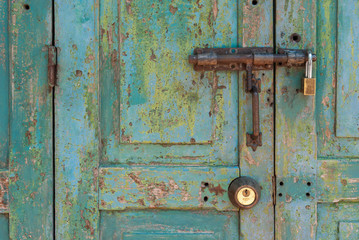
{"x": 248, "y": 59}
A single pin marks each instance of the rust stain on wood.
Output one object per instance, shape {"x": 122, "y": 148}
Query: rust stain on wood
{"x": 4, "y": 188}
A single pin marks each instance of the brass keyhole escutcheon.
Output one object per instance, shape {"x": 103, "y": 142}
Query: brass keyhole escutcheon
{"x": 246, "y": 196}
{"x": 244, "y": 192}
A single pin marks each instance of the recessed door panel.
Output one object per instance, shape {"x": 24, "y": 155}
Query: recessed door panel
{"x": 338, "y": 221}
{"x": 347, "y": 122}
{"x": 152, "y": 101}
{"x": 337, "y": 93}
{"x": 146, "y": 146}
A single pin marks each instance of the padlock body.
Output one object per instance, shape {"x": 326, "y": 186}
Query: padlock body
{"x": 309, "y": 86}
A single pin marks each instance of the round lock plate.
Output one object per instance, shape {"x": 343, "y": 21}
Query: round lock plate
{"x": 244, "y": 192}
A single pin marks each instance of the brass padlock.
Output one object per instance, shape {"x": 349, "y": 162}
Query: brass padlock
{"x": 309, "y": 83}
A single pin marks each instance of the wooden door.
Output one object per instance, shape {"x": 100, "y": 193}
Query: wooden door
{"x": 26, "y": 173}
{"x": 145, "y": 146}
{"x": 317, "y": 146}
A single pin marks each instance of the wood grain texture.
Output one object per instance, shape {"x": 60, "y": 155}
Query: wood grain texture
{"x": 179, "y": 187}
{"x": 338, "y": 180}
{"x": 169, "y": 224}
{"x": 255, "y": 26}
{"x": 4, "y": 227}
{"x": 4, "y": 83}
{"x": 4, "y": 191}
{"x": 30, "y": 160}
{"x": 295, "y": 125}
{"x": 76, "y": 119}
{"x": 337, "y": 102}
{"x": 156, "y": 110}
{"x": 347, "y": 114}
{"x": 338, "y": 220}
{"x": 329, "y": 90}
{"x": 154, "y": 107}
{"x": 348, "y": 230}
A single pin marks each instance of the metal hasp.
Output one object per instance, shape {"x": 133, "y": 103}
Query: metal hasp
{"x": 248, "y": 59}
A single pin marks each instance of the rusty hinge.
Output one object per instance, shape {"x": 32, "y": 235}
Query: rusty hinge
{"x": 52, "y": 66}
{"x": 274, "y": 189}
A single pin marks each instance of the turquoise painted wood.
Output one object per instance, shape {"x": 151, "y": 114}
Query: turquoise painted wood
{"x": 317, "y": 147}
{"x": 76, "y": 120}
{"x": 337, "y": 104}
{"x": 295, "y": 126}
{"x": 168, "y": 224}
{"x": 256, "y": 29}
{"x": 26, "y": 174}
{"x": 347, "y": 115}
{"x": 145, "y": 146}
{"x": 4, "y": 119}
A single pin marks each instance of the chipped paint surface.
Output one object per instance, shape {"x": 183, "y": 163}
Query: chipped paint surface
{"x": 169, "y": 224}
{"x": 166, "y": 187}
{"x": 155, "y": 110}
{"x": 30, "y": 146}
{"x": 193, "y": 117}
{"x": 317, "y": 188}
{"x": 184, "y": 113}
{"x": 338, "y": 180}
{"x": 341, "y": 103}
{"x": 76, "y": 118}
{"x": 338, "y": 221}
{"x": 347, "y": 115}
{"x": 337, "y": 117}
{"x": 256, "y": 22}
{"x": 4, "y": 84}
{"x": 4, "y": 191}
{"x": 4, "y": 119}
{"x": 123, "y": 69}
{"x": 349, "y": 230}
{"x": 295, "y": 128}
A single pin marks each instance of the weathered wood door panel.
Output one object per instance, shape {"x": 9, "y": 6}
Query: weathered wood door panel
{"x": 4, "y": 120}
{"x": 317, "y": 137}
{"x": 338, "y": 120}
{"x": 26, "y": 174}
{"x": 145, "y": 146}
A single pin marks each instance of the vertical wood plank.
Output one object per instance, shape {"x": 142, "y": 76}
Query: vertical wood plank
{"x": 296, "y": 142}
{"x": 256, "y": 29}
{"x": 327, "y": 88}
{"x": 4, "y": 83}
{"x": 31, "y": 173}
{"x": 76, "y": 120}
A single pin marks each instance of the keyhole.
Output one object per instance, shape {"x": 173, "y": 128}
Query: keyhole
{"x": 246, "y": 193}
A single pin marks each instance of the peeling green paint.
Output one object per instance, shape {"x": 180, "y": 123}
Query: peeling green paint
{"x": 30, "y": 156}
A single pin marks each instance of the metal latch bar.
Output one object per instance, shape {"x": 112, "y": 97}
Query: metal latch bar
{"x": 248, "y": 59}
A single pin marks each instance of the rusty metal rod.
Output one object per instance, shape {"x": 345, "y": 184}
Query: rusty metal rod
{"x": 255, "y": 112}
{"x": 255, "y": 59}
